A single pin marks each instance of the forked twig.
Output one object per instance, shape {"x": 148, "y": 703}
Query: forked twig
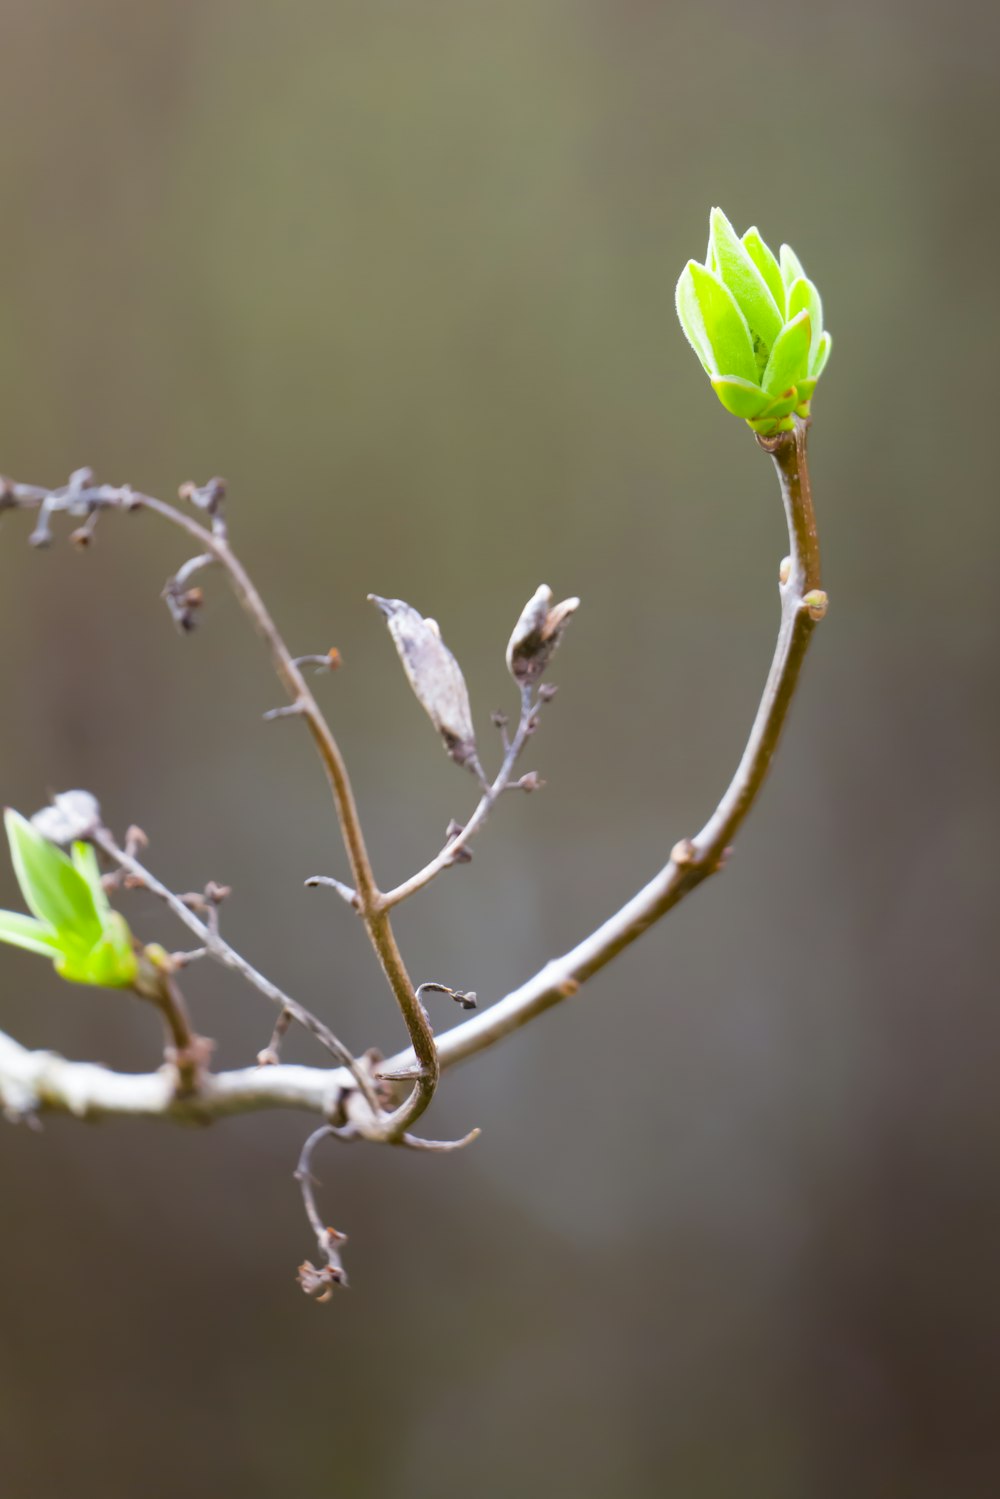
{"x": 218, "y": 948}
{"x": 31, "y": 1082}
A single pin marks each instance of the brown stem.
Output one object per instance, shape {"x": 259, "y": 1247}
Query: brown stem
{"x": 371, "y": 905}
{"x": 83, "y": 494}
{"x": 188, "y": 1052}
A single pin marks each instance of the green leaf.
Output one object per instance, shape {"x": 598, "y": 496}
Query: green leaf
{"x": 763, "y": 258}
{"x": 83, "y": 857}
{"x": 803, "y": 296}
{"x": 791, "y": 265}
{"x": 26, "y": 932}
{"x": 740, "y": 396}
{"x": 714, "y": 325}
{"x": 689, "y": 313}
{"x": 789, "y": 357}
{"x": 73, "y": 923}
{"x": 817, "y": 360}
{"x": 84, "y": 860}
{"x": 53, "y": 889}
{"x": 739, "y": 273}
{"x": 111, "y": 963}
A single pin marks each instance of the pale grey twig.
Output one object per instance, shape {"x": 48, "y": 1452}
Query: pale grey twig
{"x": 457, "y": 844}
{"x": 224, "y": 953}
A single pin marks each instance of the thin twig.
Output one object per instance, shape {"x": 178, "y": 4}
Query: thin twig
{"x": 81, "y": 496}
{"x": 319, "y": 1282}
{"x": 224, "y": 953}
{"x": 438, "y": 1147}
{"x": 188, "y": 1053}
{"x": 373, "y": 912}
{"x": 455, "y": 846}
{"x": 271, "y": 1054}
{"x": 347, "y": 895}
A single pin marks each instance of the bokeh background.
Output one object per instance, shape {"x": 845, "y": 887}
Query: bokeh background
{"x": 404, "y": 274}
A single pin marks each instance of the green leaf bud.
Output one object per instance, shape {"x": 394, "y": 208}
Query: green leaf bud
{"x": 755, "y": 320}
{"x": 54, "y": 891}
{"x": 763, "y": 258}
{"x": 72, "y": 922}
{"x": 738, "y": 272}
{"x": 789, "y": 359}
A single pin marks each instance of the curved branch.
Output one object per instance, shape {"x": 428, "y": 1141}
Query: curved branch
{"x": 693, "y": 859}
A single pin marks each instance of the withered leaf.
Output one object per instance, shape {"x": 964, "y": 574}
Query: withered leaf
{"x": 434, "y": 675}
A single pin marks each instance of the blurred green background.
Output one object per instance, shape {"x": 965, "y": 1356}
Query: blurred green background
{"x": 404, "y": 274}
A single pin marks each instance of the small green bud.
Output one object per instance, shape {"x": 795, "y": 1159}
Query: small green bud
{"x": 756, "y": 323}
{"x": 72, "y": 922}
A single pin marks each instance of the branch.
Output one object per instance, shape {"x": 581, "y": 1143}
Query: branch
{"x": 692, "y": 860}
{"x": 35, "y": 1081}
{"x": 458, "y": 843}
{"x": 82, "y": 496}
{"x": 319, "y": 1282}
{"x": 219, "y": 949}
{"x": 187, "y": 1052}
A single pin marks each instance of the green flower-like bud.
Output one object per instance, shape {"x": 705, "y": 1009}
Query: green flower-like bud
{"x": 756, "y": 324}
{"x": 71, "y": 921}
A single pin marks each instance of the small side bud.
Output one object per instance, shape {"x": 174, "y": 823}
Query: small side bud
{"x": 530, "y": 781}
{"x": 434, "y": 675}
{"x": 784, "y": 570}
{"x": 536, "y": 635}
{"x": 207, "y": 497}
{"x": 461, "y": 855}
{"x": 816, "y": 603}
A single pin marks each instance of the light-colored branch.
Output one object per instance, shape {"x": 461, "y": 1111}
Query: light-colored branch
{"x": 38, "y": 1082}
